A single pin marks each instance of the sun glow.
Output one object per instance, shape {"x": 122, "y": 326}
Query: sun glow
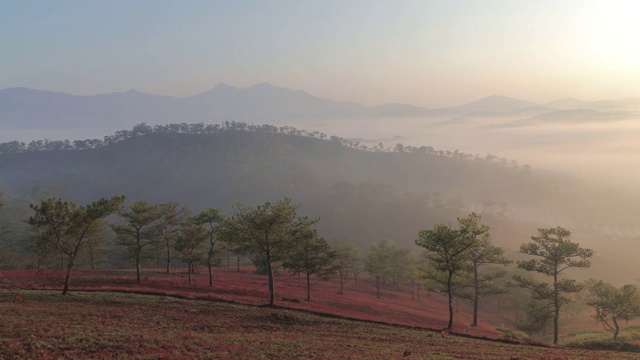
{"x": 610, "y": 32}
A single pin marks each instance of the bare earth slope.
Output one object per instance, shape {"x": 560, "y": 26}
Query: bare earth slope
{"x": 196, "y": 320}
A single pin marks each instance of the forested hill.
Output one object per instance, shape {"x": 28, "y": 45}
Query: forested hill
{"x": 358, "y": 193}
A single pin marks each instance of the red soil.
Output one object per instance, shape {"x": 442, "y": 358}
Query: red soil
{"x": 245, "y": 287}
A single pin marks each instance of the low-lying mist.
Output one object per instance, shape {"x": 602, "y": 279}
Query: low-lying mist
{"x": 602, "y": 152}
{"x": 597, "y": 152}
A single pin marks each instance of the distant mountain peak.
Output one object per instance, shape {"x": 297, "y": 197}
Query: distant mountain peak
{"x": 221, "y": 88}
{"x": 265, "y": 87}
{"x": 262, "y": 85}
{"x": 223, "y": 85}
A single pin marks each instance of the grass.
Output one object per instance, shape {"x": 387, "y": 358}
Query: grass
{"x": 627, "y": 334}
{"x": 100, "y": 325}
{"x": 603, "y": 340}
{"x": 358, "y": 302}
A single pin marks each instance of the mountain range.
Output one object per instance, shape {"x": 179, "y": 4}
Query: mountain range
{"x": 27, "y": 109}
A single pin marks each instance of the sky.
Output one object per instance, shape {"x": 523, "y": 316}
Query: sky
{"x": 427, "y": 53}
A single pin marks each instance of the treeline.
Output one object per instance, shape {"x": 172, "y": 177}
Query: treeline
{"x": 17, "y": 147}
{"x": 268, "y": 233}
{"x": 459, "y": 261}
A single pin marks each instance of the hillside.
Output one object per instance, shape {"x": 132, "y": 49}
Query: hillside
{"x": 400, "y": 192}
{"x": 143, "y": 327}
{"x": 360, "y": 194}
{"x": 237, "y": 298}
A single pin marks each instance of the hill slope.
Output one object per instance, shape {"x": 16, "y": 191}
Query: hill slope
{"x": 357, "y": 193}
{"x": 225, "y": 331}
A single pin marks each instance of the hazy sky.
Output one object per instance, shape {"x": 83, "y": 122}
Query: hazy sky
{"x": 429, "y": 53}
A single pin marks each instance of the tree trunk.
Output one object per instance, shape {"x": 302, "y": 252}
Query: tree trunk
{"x": 308, "y": 287}
{"x": 138, "y": 270}
{"x": 555, "y": 326}
{"x": 475, "y": 312}
{"x": 189, "y": 271}
{"x": 378, "y": 286}
{"x": 617, "y": 329}
{"x": 209, "y": 265}
{"x": 92, "y": 257}
{"x": 238, "y": 262}
{"x": 70, "y": 262}
{"x": 450, "y": 294}
{"x": 272, "y": 293}
{"x": 210, "y": 276}
{"x": 168, "y": 259}
{"x": 556, "y": 305}
{"x": 476, "y": 296}
{"x": 341, "y": 284}
{"x": 67, "y": 277}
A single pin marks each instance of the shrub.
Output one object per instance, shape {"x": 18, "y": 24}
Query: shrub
{"x": 605, "y": 345}
{"x": 513, "y": 334}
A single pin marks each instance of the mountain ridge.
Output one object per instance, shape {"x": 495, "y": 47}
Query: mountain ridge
{"x": 361, "y": 194}
{"x": 24, "y": 111}
{"x": 474, "y": 105}
{"x": 220, "y": 169}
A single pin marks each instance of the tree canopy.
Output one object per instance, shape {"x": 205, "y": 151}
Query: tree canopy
{"x": 172, "y": 216}
{"x": 269, "y": 231}
{"x": 446, "y": 251}
{"x": 139, "y": 230}
{"x": 612, "y": 304}
{"x": 66, "y": 224}
{"x": 482, "y": 281}
{"x": 312, "y": 256}
{"x": 212, "y": 218}
{"x": 189, "y": 243}
{"x": 554, "y": 253}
